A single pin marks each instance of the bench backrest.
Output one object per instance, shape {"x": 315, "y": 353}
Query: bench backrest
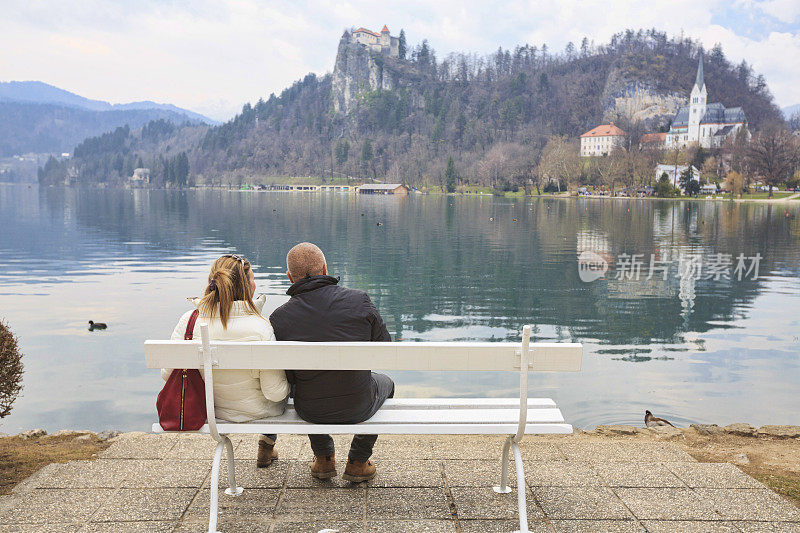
{"x": 515, "y": 357}
{"x": 483, "y": 356}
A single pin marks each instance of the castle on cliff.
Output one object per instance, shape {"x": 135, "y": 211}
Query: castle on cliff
{"x": 705, "y": 124}
{"x": 382, "y": 42}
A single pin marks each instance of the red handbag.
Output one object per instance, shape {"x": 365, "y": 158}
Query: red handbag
{"x": 181, "y": 404}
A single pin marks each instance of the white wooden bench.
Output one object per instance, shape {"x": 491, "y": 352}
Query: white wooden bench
{"x": 444, "y": 416}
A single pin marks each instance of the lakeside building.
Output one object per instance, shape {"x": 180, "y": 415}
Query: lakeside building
{"x": 601, "y": 140}
{"x": 397, "y": 189}
{"x": 705, "y": 124}
{"x": 674, "y": 172}
{"x": 382, "y": 43}
{"x": 653, "y": 140}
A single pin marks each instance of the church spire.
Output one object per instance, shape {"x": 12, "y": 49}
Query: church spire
{"x": 699, "y": 82}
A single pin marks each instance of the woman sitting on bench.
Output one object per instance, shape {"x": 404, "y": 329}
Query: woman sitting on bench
{"x": 232, "y": 314}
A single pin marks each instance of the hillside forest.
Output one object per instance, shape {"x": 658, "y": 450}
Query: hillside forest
{"x": 507, "y": 120}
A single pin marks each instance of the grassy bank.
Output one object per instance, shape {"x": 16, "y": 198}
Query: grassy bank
{"x": 21, "y": 457}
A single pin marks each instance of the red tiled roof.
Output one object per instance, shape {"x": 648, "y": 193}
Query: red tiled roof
{"x": 604, "y": 130}
{"x": 365, "y": 30}
{"x": 653, "y": 138}
{"x": 385, "y": 29}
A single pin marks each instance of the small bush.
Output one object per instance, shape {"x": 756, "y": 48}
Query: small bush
{"x": 10, "y": 370}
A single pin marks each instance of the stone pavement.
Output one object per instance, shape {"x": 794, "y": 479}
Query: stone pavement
{"x": 434, "y": 484}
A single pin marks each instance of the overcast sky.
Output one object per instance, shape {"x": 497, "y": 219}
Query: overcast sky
{"x": 212, "y": 56}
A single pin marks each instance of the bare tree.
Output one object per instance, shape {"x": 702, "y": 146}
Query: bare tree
{"x": 609, "y": 169}
{"x": 10, "y": 370}
{"x": 560, "y": 161}
{"x": 774, "y": 156}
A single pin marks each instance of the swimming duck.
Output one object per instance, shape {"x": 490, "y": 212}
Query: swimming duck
{"x": 96, "y": 325}
{"x": 652, "y": 421}
{"x": 380, "y": 223}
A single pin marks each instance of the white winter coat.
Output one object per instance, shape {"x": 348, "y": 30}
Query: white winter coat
{"x": 241, "y": 395}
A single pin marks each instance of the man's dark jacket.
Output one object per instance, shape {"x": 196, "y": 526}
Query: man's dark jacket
{"x": 320, "y": 310}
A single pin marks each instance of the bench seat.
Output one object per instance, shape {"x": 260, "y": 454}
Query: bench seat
{"x": 434, "y": 416}
{"x": 514, "y": 417}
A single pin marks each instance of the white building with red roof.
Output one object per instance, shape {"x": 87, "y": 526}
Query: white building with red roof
{"x": 601, "y": 140}
{"x": 382, "y": 43}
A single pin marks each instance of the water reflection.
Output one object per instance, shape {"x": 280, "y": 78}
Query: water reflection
{"x": 438, "y": 268}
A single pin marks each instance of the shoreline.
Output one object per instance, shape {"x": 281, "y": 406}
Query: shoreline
{"x": 791, "y": 198}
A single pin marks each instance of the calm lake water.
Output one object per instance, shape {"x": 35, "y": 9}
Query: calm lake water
{"x": 438, "y": 268}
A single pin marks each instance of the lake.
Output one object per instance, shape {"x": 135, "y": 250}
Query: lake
{"x": 716, "y": 344}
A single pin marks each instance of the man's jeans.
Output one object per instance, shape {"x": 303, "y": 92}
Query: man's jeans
{"x": 361, "y": 447}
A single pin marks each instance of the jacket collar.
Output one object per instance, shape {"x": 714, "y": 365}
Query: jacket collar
{"x": 309, "y": 283}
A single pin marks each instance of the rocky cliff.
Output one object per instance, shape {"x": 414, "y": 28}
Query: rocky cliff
{"x": 639, "y": 101}
{"x": 358, "y": 70}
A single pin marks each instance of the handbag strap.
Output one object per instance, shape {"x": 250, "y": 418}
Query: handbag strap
{"x": 189, "y": 335}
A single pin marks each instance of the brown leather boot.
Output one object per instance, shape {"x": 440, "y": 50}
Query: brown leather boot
{"x": 358, "y": 471}
{"x": 323, "y": 466}
{"x": 266, "y": 452}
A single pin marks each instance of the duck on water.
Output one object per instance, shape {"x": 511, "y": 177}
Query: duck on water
{"x": 96, "y": 325}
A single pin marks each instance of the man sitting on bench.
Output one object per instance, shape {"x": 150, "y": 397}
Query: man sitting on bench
{"x": 320, "y": 310}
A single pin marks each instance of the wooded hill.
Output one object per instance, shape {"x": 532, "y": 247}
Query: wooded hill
{"x": 492, "y": 114}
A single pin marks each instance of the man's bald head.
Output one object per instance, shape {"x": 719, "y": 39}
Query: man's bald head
{"x": 305, "y": 259}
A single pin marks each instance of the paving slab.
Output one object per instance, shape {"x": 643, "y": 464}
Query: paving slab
{"x": 502, "y": 526}
{"x": 141, "y": 446}
{"x": 621, "y": 474}
{"x": 594, "y": 503}
{"x": 776, "y": 527}
{"x": 407, "y": 503}
{"x": 149, "y": 473}
{"x": 561, "y": 474}
{"x": 40, "y": 528}
{"x": 97, "y": 474}
{"x": 310, "y": 504}
{"x": 254, "y": 505}
{"x": 417, "y": 526}
{"x": 229, "y": 524}
{"x": 305, "y": 526}
{"x": 667, "y": 504}
{"x": 713, "y": 475}
{"x": 681, "y": 526}
{"x": 42, "y": 506}
{"x": 410, "y": 473}
{"x": 476, "y": 473}
{"x": 249, "y": 476}
{"x": 130, "y": 527}
{"x": 592, "y": 526}
{"x": 750, "y": 504}
{"x": 482, "y": 503}
{"x": 624, "y": 451}
{"x": 145, "y": 504}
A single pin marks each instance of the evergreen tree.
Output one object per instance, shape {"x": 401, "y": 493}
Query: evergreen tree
{"x": 342, "y": 150}
{"x": 402, "y": 47}
{"x": 450, "y": 176}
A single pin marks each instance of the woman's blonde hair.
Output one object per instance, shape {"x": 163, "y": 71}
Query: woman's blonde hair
{"x": 227, "y": 282}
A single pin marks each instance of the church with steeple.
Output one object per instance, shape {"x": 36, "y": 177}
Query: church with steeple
{"x": 702, "y": 123}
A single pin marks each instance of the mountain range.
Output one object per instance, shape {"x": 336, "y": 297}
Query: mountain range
{"x": 40, "y": 118}
{"x": 791, "y": 110}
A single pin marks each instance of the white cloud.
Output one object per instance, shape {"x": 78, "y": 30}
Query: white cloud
{"x": 787, "y": 11}
{"x": 212, "y": 56}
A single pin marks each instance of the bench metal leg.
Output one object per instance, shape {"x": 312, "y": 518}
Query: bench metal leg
{"x": 503, "y": 487}
{"x": 522, "y": 492}
{"x": 232, "y": 490}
